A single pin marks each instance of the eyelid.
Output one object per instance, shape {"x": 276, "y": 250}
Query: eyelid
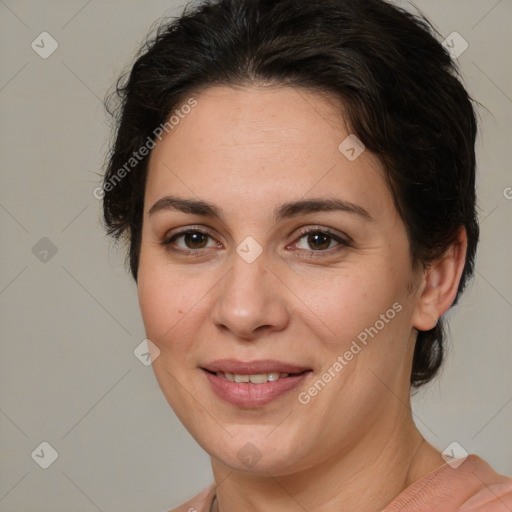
{"x": 170, "y": 237}
{"x": 323, "y": 229}
{"x": 341, "y": 239}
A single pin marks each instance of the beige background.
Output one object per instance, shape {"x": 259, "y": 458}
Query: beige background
{"x": 70, "y": 324}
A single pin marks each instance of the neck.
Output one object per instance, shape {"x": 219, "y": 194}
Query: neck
{"x": 365, "y": 477}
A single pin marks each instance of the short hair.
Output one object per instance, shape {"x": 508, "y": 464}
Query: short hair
{"x": 402, "y": 96}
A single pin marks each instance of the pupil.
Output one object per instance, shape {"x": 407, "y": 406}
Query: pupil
{"x": 318, "y": 241}
{"x": 194, "y": 240}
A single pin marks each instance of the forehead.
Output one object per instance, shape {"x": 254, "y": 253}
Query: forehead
{"x": 264, "y": 144}
{"x": 272, "y": 118}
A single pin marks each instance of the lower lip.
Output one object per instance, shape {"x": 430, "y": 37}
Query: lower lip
{"x": 243, "y": 394}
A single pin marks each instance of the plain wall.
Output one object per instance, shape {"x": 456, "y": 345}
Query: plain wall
{"x": 70, "y": 324}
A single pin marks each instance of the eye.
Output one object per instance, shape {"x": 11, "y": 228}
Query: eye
{"x": 320, "y": 240}
{"x": 190, "y": 241}
{"x": 193, "y": 241}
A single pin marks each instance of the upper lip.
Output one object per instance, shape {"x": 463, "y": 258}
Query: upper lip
{"x": 253, "y": 367}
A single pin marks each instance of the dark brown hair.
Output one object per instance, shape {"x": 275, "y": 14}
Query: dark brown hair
{"x": 401, "y": 92}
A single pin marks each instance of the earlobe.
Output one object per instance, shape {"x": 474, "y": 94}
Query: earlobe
{"x": 440, "y": 284}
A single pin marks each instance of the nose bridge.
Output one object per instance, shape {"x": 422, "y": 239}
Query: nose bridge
{"x": 246, "y": 286}
{"x": 249, "y": 297}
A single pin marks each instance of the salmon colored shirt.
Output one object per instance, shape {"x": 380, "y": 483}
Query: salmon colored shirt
{"x": 471, "y": 487}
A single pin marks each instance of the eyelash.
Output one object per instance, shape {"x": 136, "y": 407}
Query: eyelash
{"x": 342, "y": 242}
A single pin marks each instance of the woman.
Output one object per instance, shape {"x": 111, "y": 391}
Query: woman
{"x": 296, "y": 180}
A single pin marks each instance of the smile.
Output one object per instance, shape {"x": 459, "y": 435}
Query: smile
{"x": 257, "y": 378}
{"x": 251, "y": 385}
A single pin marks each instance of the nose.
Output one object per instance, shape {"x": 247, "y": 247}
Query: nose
{"x": 250, "y": 300}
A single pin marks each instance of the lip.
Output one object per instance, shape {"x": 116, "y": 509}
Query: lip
{"x": 248, "y": 395}
{"x": 253, "y": 367}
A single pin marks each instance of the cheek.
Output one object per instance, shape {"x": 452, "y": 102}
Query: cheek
{"x": 365, "y": 328}
{"x": 167, "y": 306}
{"x": 165, "y": 298}
{"x": 350, "y": 300}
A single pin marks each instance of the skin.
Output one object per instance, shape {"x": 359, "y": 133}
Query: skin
{"x": 247, "y": 150}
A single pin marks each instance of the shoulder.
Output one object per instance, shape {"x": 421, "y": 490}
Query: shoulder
{"x": 493, "y": 492}
{"x": 199, "y": 503}
{"x": 473, "y": 486}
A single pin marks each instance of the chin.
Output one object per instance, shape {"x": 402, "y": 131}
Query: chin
{"x": 253, "y": 450}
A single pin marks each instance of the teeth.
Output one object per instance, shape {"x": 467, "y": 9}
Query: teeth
{"x": 259, "y": 378}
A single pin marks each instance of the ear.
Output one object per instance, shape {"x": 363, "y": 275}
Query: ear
{"x": 439, "y": 284}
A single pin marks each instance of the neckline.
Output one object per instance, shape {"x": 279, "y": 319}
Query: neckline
{"x": 425, "y": 480}
{"x": 396, "y": 500}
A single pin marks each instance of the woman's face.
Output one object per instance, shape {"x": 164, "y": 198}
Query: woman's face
{"x": 273, "y": 281}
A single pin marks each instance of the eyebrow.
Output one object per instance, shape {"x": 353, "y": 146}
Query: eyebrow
{"x": 286, "y": 210}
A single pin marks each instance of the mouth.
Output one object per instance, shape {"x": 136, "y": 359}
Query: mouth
{"x": 253, "y": 384}
{"x": 255, "y": 378}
